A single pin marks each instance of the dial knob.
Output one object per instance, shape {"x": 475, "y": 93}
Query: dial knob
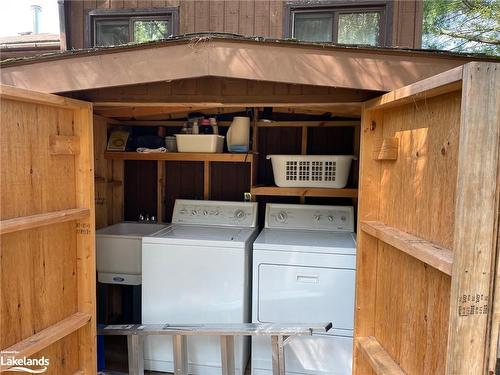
{"x": 343, "y": 218}
{"x": 330, "y": 218}
{"x": 239, "y": 214}
{"x": 282, "y": 216}
{"x": 194, "y": 212}
{"x": 205, "y": 212}
{"x": 317, "y": 217}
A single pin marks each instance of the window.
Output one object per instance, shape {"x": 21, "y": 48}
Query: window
{"x": 115, "y": 27}
{"x": 334, "y": 22}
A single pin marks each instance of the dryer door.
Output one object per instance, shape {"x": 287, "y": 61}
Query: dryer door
{"x": 299, "y": 294}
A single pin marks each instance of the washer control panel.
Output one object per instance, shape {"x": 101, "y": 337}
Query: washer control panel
{"x": 309, "y": 217}
{"x": 238, "y": 214}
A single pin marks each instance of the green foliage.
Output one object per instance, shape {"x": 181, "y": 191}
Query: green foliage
{"x": 462, "y": 25}
{"x": 145, "y": 31}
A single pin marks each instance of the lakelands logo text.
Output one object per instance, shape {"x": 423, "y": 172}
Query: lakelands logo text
{"x": 27, "y": 365}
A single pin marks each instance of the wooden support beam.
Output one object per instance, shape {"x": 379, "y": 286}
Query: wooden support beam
{"x": 44, "y": 338}
{"x": 260, "y": 123}
{"x": 28, "y": 96}
{"x": 179, "y": 156}
{"x": 434, "y": 255}
{"x": 319, "y": 124}
{"x": 100, "y": 106}
{"x": 64, "y": 145}
{"x": 380, "y": 361}
{"x": 386, "y": 149}
{"x": 40, "y": 220}
{"x": 206, "y": 179}
{"x": 160, "y": 190}
{"x": 448, "y": 81}
{"x": 304, "y": 192}
{"x": 475, "y": 233}
{"x": 367, "y": 254}
{"x": 85, "y": 238}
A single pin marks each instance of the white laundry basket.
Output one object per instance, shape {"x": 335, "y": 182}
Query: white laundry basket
{"x": 328, "y": 171}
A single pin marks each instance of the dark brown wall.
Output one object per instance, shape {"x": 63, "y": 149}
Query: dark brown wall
{"x": 250, "y": 17}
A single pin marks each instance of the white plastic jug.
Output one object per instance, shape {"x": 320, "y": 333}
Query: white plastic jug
{"x": 238, "y": 135}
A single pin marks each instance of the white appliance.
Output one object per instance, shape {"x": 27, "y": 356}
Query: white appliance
{"x": 118, "y": 252}
{"x": 199, "y": 271}
{"x": 304, "y": 264}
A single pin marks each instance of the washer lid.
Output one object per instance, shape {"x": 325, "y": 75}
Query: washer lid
{"x": 307, "y": 241}
{"x": 202, "y": 235}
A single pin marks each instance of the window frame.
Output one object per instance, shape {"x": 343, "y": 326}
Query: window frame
{"x": 384, "y": 8}
{"x": 133, "y": 14}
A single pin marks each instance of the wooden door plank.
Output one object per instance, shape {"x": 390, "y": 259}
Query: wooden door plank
{"x": 48, "y": 218}
{"x": 366, "y": 258}
{"x": 476, "y": 210}
{"x": 44, "y": 338}
{"x": 85, "y": 236}
{"x": 448, "y": 81}
{"x": 419, "y": 248}
{"x": 380, "y": 361}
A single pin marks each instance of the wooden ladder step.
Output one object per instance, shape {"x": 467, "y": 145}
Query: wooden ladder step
{"x": 39, "y": 220}
{"x": 430, "y": 253}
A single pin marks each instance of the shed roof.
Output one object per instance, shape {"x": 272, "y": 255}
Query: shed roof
{"x": 232, "y": 56}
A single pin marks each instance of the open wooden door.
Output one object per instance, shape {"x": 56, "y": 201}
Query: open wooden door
{"x": 47, "y": 259}
{"x": 427, "y": 230}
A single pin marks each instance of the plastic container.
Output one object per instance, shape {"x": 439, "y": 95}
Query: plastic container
{"x": 171, "y": 143}
{"x": 208, "y": 143}
{"x": 328, "y": 171}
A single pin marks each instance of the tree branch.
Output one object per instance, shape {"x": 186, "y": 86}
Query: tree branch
{"x": 470, "y": 37}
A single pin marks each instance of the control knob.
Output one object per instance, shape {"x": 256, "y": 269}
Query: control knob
{"x": 282, "y": 216}
{"x": 239, "y": 214}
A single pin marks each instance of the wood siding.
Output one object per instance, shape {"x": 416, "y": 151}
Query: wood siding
{"x": 248, "y": 17}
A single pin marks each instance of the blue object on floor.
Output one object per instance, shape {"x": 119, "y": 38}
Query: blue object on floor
{"x": 101, "y": 362}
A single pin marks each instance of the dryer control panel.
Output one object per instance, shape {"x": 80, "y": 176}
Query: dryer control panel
{"x": 221, "y": 213}
{"x": 309, "y": 217}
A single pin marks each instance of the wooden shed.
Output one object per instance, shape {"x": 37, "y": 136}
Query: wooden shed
{"x": 425, "y": 126}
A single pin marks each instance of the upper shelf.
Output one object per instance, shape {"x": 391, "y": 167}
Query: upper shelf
{"x": 179, "y": 156}
{"x": 304, "y": 192}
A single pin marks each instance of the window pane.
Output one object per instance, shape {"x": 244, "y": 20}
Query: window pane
{"x": 313, "y": 27}
{"x": 112, "y": 33}
{"x": 359, "y": 28}
{"x": 147, "y": 30}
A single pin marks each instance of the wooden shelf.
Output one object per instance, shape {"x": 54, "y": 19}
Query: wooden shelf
{"x": 434, "y": 255}
{"x": 304, "y": 192}
{"x": 380, "y": 361}
{"x": 48, "y": 218}
{"x": 45, "y": 337}
{"x": 179, "y": 156}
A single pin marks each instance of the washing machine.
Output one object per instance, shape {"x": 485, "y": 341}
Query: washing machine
{"x": 197, "y": 271}
{"x": 304, "y": 263}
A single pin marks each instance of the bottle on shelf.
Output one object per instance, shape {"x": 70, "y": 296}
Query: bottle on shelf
{"x": 213, "y": 123}
{"x": 205, "y": 127}
{"x": 195, "y": 128}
